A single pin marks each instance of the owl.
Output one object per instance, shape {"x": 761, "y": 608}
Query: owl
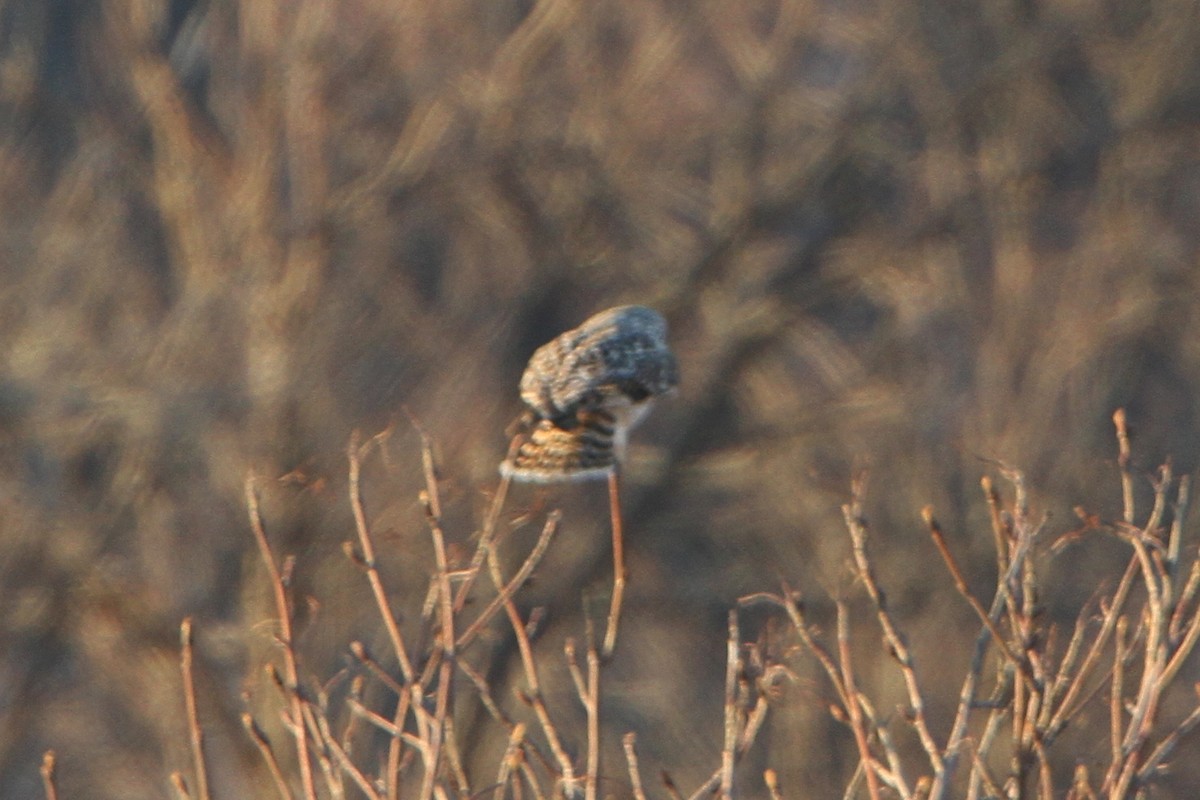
{"x": 586, "y": 389}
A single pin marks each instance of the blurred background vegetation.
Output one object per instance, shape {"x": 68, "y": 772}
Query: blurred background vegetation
{"x": 911, "y": 235}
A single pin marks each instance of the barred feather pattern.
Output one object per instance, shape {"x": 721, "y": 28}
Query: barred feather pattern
{"x": 552, "y": 454}
{"x": 586, "y": 389}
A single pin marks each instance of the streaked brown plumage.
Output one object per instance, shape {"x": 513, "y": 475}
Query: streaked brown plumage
{"x": 586, "y": 389}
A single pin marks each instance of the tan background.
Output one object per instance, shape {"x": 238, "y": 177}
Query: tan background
{"x": 911, "y": 235}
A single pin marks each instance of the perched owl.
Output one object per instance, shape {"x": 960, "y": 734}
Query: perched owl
{"x": 586, "y": 389}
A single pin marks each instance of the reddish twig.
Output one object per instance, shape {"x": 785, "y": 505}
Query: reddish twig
{"x": 618, "y": 549}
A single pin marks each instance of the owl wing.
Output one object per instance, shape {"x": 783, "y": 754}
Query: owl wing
{"x": 540, "y": 376}
{"x": 619, "y": 352}
{"x": 633, "y": 366}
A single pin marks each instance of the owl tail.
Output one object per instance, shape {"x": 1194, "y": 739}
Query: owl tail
{"x": 583, "y": 449}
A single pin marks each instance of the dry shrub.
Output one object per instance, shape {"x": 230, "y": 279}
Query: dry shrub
{"x": 389, "y": 725}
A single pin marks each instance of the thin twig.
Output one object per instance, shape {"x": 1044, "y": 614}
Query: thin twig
{"x": 1150, "y": 686}
{"x": 635, "y": 775}
{"x": 318, "y": 730}
{"x": 1183, "y": 650}
{"x": 485, "y": 694}
{"x": 754, "y": 720}
{"x": 433, "y": 515}
{"x": 1081, "y": 785}
{"x": 592, "y": 707}
{"x": 772, "y": 782}
{"x": 855, "y": 781}
{"x": 350, "y": 769}
{"x": 587, "y": 689}
{"x": 985, "y": 774}
{"x": 1066, "y": 668}
{"x": 264, "y": 746}
{"x": 939, "y": 540}
{"x": 1186, "y": 595}
{"x": 856, "y": 527}
{"x": 531, "y": 677}
{"x": 795, "y": 613}
{"x": 1123, "y": 463}
{"x": 854, "y": 709}
{"x": 1045, "y": 780}
{"x": 180, "y": 786}
{"x": 1178, "y": 514}
{"x": 355, "y": 693}
{"x": 354, "y": 456}
{"x": 1114, "y": 702}
{"x": 893, "y": 776}
{"x": 195, "y": 732}
{"x": 509, "y": 760}
{"x": 618, "y": 549}
{"x": 291, "y": 671}
{"x": 518, "y": 580}
{"x": 454, "y": 758}
{"x": 487, "y": 535}
{"x": 1167, "y": 746}
{"x": 733, "y": 667}
{"x": 1001, "y": 531}
{"x": 390, "y": 728}
{"x": 530, "y": 777}
{"x": 49, "y": 762}
{"x": 673, "y": 791}
{"x": 991, "y": 728}
{"x": 1067, "y": 706}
